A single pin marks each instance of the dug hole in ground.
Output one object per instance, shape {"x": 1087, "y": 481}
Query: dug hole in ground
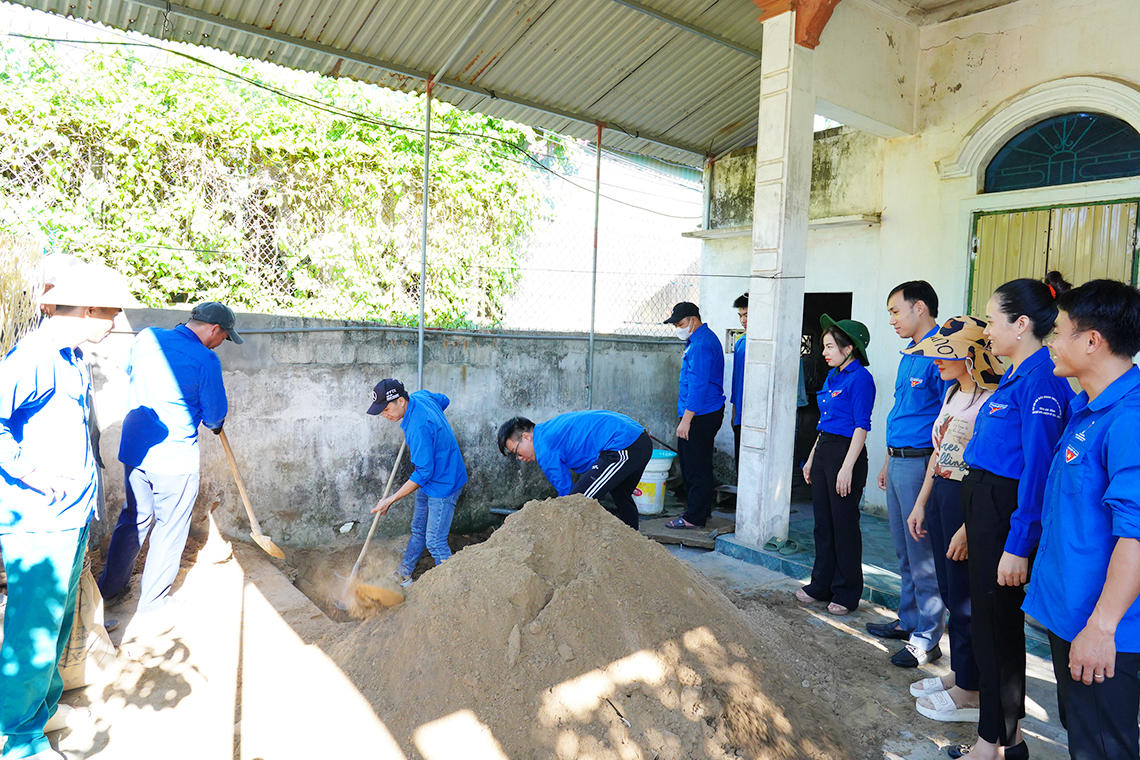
{"x": 564, "y": 635}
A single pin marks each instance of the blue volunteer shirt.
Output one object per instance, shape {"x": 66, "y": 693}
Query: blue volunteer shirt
{"x": 737, "y": 395}
{"x": 846, "y": 401}
{"x": 44, "y": 387}
{"x": 919, "y": 391}
{"x": 1092, "y": 498}
{"x": 432, "y": 446}
{"x": 1014, "y": 436}
{"x": 176, "y": 385}
{"x": 574, "y": 440}
{"x": 702, "y": 374}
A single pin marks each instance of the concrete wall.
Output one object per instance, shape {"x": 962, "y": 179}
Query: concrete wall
{"x": 312, "y": 459}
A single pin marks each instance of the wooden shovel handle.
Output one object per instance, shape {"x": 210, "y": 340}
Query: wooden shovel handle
{"x": 255, "y": 528}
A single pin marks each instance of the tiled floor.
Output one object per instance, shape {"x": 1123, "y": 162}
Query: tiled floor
{"x": 880, "y": 565}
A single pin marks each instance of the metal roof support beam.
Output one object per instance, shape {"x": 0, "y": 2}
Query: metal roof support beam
{"x": 226, "y": 23}
{"x": 662, "y": 16}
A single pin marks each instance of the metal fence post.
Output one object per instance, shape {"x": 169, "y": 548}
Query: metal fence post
{"x": 594, "y": 270}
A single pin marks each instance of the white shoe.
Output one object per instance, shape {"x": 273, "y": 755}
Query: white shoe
{"x": 67, "y": 716}
{"x": 926, "y": 687}
{"x": 403, "y": 580}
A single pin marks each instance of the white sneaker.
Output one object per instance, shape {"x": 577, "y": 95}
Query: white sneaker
{"x": 403, "y": 580}
{"x": 67, "y": 716}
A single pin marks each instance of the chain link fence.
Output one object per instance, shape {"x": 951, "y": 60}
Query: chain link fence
{"x": 205, "y": 177}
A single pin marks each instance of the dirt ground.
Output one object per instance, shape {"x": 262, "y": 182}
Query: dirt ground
{"x": 565, "y": 636}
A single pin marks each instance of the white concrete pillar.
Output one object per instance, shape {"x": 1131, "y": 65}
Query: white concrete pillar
{"x": 775, "y": 304}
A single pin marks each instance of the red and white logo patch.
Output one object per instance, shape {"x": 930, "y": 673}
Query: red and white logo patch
{"x": 1071, "y": 453}
{"x": 835, "y": 393}
{"x": 915, "y": 382}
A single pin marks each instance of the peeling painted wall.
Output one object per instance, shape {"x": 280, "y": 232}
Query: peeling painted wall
{"x": 312, "y": 459}
{"x": 846, "y": 179}
{"x": 846, "y": 174}
{"x": 733, "y": 188}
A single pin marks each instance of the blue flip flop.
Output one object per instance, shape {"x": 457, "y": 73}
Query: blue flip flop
{"x": 680, "y": 524}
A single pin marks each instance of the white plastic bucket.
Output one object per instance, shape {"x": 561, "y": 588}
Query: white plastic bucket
{"x": 650, "y": 492}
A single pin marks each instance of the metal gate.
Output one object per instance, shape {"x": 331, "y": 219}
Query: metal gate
{"x": 1081, "y": 242}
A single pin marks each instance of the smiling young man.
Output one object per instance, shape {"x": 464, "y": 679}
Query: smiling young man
{"x": 1086, "y": 577}
{"x": 608, "y": 449}
{"x": 48, "y": 491}
{"x": 919, "y": 391}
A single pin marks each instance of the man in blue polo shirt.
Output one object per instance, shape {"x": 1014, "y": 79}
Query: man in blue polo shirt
{"x": 1086, "y": 577}
{"x": 700, "y": 405}
{"x": 439, "y": 475}
{"x": 913, "y": 309}
{"x": 47, "y": 498}
{"x": 175, "y": 386}
{"x": 608, "y": 449}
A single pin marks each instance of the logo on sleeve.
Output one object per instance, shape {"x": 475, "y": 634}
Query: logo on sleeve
{"x": 995, "y": 407}
{"x": 835, "y": 393}
{"x": 1071, "y": 453}
{"x": 915, "y": 382}
{"x": 1047, "y": 405}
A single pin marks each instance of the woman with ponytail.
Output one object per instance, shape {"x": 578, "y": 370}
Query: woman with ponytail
{"x": 1008, "y": 460}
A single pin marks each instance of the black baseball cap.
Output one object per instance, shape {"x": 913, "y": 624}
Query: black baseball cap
{"x": 682, "y": 310}
{"x": 385, "y": 392}
{"x": 214, "y": 313}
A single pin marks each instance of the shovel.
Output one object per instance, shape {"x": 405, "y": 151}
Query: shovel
{"x": 262, "y": 540}
{"x": 358, "y": 597}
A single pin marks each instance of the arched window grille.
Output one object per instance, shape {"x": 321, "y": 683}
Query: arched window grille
{"x": 1062, "y": 150}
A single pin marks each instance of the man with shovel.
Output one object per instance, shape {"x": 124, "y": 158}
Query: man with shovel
{"x": 175, "y": 386}
{"x": 47, "y": 498}
{"x": 439, "y": 475}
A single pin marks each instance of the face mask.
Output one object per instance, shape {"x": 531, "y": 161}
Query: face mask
{"x": 682, "y": 333}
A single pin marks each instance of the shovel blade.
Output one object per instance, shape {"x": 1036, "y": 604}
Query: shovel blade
{"x": 267, "y": 545}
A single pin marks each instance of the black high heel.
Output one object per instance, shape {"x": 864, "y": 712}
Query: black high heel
{"x": 1018, "y": 751}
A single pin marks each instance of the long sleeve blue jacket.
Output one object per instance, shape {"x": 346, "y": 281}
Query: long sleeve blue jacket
{"x": 434, "y": 451}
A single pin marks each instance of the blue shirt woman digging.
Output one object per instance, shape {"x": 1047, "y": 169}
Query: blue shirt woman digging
{"x": 837, "y": 467}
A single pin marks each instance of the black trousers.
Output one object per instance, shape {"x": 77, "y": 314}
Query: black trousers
{"x": 837, "y": 575}
{"x": 736, "y": 443}
{"x": 997, "y": 623}
{"x": 943, "y": 519}
{"x": 696, "y": 456}
{"x": 618, "y": 473}
{"x": 1100, "y": 717}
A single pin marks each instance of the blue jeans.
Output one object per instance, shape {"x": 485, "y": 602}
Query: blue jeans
{"x": 43, "y": 584}
{"x": 920, "y": 605}
{"x": 159, "y": 505}
{"x": 431, "y": 523}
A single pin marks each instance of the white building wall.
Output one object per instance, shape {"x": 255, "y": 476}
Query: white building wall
{"x": 966, "y": 71}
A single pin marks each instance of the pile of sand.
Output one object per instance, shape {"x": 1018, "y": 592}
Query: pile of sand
{"x": 567, "y": 635}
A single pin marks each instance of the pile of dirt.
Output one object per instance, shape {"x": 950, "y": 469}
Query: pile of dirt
{"x": 568, "y": 635}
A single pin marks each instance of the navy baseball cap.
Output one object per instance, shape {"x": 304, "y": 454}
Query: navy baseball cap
{"x": 214, "y": 313}
{"x": 682, "y": 310}
{"x": 385, "y": 392}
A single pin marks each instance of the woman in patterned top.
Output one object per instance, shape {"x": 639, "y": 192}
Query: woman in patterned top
{"x": 959, "y": 351}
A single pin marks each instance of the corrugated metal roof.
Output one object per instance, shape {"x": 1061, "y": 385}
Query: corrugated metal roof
{"x": 663, "y": 91}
